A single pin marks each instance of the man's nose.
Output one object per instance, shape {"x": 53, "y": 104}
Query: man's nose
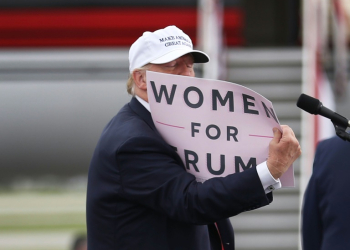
{"x": 185, "y": 70}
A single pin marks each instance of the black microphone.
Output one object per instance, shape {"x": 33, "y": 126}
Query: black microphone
{"x": 315, "y": 107}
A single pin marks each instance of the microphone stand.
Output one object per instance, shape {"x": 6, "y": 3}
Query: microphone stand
{"x": 341, "y": 131}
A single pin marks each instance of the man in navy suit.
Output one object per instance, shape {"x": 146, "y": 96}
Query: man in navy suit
{"x": 326, "y": 208}
{"x": 139, "y": 194}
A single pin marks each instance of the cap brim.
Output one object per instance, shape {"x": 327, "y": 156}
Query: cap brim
{"x": 198, "y": 56}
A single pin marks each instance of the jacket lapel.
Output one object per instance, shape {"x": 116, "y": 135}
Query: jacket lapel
{"x": 145, "y": 115}
{"x": 139, "y": 109}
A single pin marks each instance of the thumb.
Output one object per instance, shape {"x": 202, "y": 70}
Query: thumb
{"x": 277, "y": 135}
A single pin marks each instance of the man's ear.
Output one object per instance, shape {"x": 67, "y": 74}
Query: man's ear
{"x": 140, "y": 79}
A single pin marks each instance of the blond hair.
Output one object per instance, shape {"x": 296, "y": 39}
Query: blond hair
{"x": 131, "y": 83}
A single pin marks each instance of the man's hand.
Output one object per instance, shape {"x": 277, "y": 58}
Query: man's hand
{"x": 284, "y": 149}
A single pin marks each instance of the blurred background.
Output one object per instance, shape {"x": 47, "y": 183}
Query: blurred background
{"x": 63, "y": 71}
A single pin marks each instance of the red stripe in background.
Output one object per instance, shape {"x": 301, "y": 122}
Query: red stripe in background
{"x": 317, "y": 96}
{"x": 103, "y": 26}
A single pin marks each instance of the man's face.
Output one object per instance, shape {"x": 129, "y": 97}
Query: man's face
{"x": 180, "y": 66}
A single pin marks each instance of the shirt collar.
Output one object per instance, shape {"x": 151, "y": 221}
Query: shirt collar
{"x": 144, "y": 103}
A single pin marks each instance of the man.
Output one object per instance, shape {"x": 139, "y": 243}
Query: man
{"x": 326, "y": 209}
{"x": 139, "y": 194}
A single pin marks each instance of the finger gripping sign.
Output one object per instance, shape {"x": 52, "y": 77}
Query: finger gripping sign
{"x": 217, "y": 128}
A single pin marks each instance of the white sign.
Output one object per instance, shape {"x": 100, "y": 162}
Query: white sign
{"x": 217, "y": 128}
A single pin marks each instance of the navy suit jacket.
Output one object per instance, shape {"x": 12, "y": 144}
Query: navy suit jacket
{"x": 326, "y": 208}
{"x": 140, "y": 196}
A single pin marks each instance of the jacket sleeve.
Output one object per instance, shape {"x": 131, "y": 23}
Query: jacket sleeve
{"x": 151, "y": 176}
{"x": 311, "y": 214}
{"x": 311, "y": 218}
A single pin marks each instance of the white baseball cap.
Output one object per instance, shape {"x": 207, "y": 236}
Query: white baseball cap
{"x": 162, "y": 46}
